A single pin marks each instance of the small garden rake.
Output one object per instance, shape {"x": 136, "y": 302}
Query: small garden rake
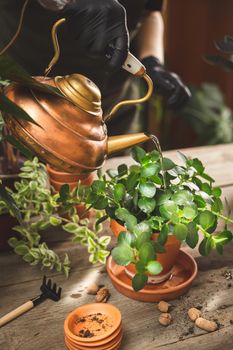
{"x": 49, "y": 291}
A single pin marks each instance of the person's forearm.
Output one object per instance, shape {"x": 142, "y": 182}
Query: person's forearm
{"x": 150, "y": 36}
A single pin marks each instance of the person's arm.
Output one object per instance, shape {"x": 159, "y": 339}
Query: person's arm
{"x": 151, "y": 52}
{"x": 150, "y": 36}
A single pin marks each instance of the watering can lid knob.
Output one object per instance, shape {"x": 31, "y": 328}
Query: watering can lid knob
{"x": 81, "y": 91}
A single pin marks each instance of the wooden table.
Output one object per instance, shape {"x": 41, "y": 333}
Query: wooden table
{"x": 42, "y": 327}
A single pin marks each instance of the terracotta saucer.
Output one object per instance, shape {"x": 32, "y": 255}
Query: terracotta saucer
{"x": 70, "y": 347}
{"x": 93, "y": 344}
{"x": 109, "y": 311}
{"x": 182, "y": 276}
{"x": 108, "y": 346}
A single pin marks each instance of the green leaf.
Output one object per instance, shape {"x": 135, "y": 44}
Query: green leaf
{"x": 163, "y": 198}
{"x": 168, "y": 209}
{"x": 132, "y": 181}
{"x": 217, "y": 192}
{"x": 156, "y": 179}
{"x": 64, "y": 192}
{"x": 158, "y": 248}
{"x": 197, "y": 164}
{"x": 11, "y": 70}
{"x": 55, "y": 221}
{"x": 119, "y": 192}
{"x": 206, "y": 188}
{"x": 168, "y": 164}
{"x": 154, "y": 267}
{"x": 147, "y": 205}
{"x": 123, "y": 254}
{"x": 146, "y": 252}
{"x": 205, "y": 246}
{"x": 21, "y": 249}
{"x": 98, "y": 186}
{"x": 190, "y": 212}
{"x": 138, "y": 154}
{"x": 182, "y": 157}
{"x": 71, "y": 227}
{"x": 124, "y": 215}
{"x": 10, "y": 203}
{"x": 180, "y": 231}
{"x": 122, "y": 169}
{"x": 124, "y": 238}
{"x": 223, "y": 237}
{"x": 28, "y": 258}
{"x": 147, "y": 189}
{"x": 199, "y": 201}
{"x": 182, "y": 197}
{"x": 207, "y": 177}
{"x": 217, "y": 205}
{"x": 19, "y": 146}
{"x": 139, "y": 281}
{"x": 101, "y": 203}
{"x": 13, "y": 242}
{"x": 142, "y": 227}
{"x": 192, "y": 236}
{"x": 150, "y": 169}
{"x": 140, "y": 267}
{"x": 207, "y": 219}
{"x": 142, "y": 238}
{"x": 162, "y": 237}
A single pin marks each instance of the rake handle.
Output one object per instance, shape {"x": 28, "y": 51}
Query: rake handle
{"x": 16, "y": 312}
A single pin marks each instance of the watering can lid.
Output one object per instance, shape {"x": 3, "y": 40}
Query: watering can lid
{"x": 81, "y": 91}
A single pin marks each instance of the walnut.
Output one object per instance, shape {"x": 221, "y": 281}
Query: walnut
{"x": 102, "y": 295}
{"x": 165, "y": 319}
{"x": 163, "y": 306}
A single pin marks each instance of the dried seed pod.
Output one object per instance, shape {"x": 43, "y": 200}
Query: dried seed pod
{"x": 92, "y": 289}
{"x": 163, "y": 306}
{"x": 102, "y": 295}
{"x": 165, "y": 319}
{"x": 194, "y": 313}
{"x": 209, "y": 326}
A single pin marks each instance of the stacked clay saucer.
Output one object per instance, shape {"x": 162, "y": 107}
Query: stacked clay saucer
{"x": 94, "y": 326}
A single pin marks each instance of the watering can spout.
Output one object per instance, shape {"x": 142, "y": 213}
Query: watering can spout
{"x": 121, "y": 142}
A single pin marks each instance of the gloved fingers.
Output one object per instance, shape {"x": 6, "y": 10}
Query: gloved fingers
{"x": 180, "y": 97}
{"x": 119, "y": 52}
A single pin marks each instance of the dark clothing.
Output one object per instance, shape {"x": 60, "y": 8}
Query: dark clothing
{"x": 33, "y": 48}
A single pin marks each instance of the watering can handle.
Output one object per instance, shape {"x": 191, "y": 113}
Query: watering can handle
{"x": 133, "y": 65}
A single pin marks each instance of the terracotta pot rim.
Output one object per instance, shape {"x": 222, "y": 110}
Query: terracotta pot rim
{"x": 53, "y": 170}
{"x": 62, "y": 182}
{"x": 109, "y": 339}
{"x": 162, "y": 291}
{"x": 102, "y": 345}
{"x": 92, "y": 308}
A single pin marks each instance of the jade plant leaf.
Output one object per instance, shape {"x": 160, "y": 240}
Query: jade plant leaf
{"x": 207, "y": 219}
{"x": 119, "y": 192}
{"x": 147, "y": 189}
{"x": 138, "y": 154}
{"x": 147, "y": 205}
{"x": 146, "y": 252}
{"x": 154, "y": 267}
{"x": 139, "y": 281}
{"x": 122, "y": 254}
{"x": 180, "y": 231}
{"x": 192, "y": 236}
{"x": 168, "y": 209}
{"x": 150, "y": 169}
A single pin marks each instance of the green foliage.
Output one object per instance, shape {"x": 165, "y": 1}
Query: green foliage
{"x": 157, "y": 195}
{"x": 40, "y": 208}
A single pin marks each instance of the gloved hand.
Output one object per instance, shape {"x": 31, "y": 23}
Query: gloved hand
{"x": 166, "y": 83}
{"x": 96, "y": 24}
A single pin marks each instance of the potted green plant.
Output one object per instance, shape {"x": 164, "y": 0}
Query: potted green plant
{"x": 155, "y": 205}
{"x": 41, "y": 208}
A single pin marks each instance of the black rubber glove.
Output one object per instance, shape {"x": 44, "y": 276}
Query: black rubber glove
{"x": 96, "y": 24}
{"x": 166, "y": 83}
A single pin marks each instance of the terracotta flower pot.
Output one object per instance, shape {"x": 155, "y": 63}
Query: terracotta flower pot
{"x": 167, "y": 259}
{"x": 57, "y": 179}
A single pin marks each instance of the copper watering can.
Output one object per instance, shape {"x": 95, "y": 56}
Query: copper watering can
{"x": 72, "y": 134}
